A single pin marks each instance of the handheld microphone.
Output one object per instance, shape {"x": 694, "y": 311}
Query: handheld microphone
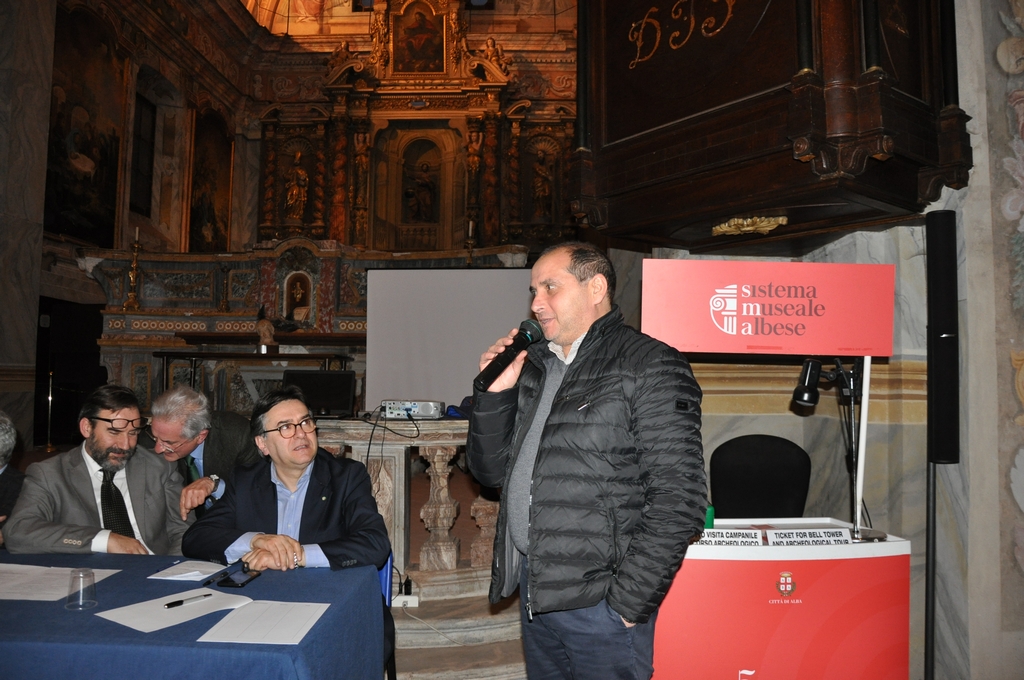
{"x": 529, "y": 333}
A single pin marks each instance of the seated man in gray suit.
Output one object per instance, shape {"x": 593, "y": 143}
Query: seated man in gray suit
{"x": 205, "y": 447}
{"x": 100, "y": 496}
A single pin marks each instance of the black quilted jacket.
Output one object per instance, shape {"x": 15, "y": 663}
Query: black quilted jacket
{"x": 619, "y": 485}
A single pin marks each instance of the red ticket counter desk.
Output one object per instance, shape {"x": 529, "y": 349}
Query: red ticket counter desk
{"x": 791, "y": 612}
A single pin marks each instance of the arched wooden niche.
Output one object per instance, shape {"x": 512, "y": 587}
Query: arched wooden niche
{"x": 421, "y": 175}
{"x": 298, "y": 297}
{"x": 419, "y": 187}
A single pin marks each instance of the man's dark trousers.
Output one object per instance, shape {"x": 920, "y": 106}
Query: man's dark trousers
{"x": 585, "y": 644}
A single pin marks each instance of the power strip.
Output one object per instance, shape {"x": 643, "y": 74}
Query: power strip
{"x": 405, "y": 601}
{"x": 418, "y": 410}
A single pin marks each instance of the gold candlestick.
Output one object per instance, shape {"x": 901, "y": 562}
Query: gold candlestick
{"x": 132, "y": 303}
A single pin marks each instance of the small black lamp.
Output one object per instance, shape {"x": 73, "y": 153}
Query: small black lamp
{"x": 806, "y": 392}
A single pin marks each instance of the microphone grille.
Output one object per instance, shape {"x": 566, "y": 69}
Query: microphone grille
{"x": 532, "y": 330}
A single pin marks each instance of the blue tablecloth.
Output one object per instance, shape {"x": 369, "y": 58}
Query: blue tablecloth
{"x": 43, "y": 640}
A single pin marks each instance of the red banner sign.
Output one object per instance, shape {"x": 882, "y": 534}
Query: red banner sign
{"x": 786, "y": 620}
{"x": 748, "y": 307}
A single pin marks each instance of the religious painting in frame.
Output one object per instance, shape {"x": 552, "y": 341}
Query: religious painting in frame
{"x": 86, "y": 119}
{"x": 418, "y": 40}
{"x": 209, "y": 228}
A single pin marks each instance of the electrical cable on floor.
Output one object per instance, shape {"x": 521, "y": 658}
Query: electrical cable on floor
{"x": 406, "y": 610}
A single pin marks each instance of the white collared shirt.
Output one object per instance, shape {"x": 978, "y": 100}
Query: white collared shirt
{"x": 556, "y": 349}
{"x": 99, "y": 541}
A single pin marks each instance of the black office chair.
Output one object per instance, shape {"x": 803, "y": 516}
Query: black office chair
{"x": 759, "y": 475}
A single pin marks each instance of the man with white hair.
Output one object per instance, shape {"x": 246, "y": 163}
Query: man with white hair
{"x": 10, "y": 478}
{"x": 205, "y": 446}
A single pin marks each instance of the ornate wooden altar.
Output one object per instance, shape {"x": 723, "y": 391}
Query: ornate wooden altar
{"x": 425, "y": 142}
{"x": 314, "y": 291}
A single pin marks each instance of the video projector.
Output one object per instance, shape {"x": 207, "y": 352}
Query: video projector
{"x": 418, "y": 410}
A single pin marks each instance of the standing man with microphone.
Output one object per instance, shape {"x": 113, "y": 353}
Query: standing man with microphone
{"x": 594, "y": 438}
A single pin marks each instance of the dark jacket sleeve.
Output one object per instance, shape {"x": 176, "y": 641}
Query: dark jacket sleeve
{"x": 209, "y": 537}
{"x": 491, "y": 429}
{"x": 230, "y": 444}
{"x": 666, "y": 419}
{"x": 355, "y": 535}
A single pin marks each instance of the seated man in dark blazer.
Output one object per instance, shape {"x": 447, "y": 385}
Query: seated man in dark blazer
{"x": 205, "y": 446}
{"x": 10, "y": 478}
{"x": 299, "y": 507}
{"x": 327, "y": 518}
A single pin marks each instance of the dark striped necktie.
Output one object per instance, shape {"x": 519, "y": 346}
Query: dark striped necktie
{"x": 115, "y": 514}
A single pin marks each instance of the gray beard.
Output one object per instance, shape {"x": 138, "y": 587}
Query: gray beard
{"x": 102, "y": 458}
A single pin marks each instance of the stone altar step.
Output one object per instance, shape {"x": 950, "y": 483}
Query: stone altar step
{"x": 494, "y": 661}
{"x": 484, "y": 640}
{"x": 464, "y": 620}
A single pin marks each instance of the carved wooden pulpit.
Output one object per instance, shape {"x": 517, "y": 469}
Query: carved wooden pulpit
{"x": 764, "y": 127}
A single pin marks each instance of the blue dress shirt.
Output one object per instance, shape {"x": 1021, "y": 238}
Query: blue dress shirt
{"x": 289, "y": 517}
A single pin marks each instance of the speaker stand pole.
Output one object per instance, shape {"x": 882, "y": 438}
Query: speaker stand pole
{"x": 860, "y": 533}
{"x": 929, "y": 577}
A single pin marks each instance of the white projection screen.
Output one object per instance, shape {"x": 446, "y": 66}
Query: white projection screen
{"x": 426, "y": 329}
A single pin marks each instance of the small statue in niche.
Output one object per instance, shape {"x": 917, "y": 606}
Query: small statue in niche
{"x": 473, "y": 147}
{"x": 420, "y": 196}
{"x": 493, "y": 53}
{"x": 298, "y": 183}
{"x": 297, "y": 302}
{"x": 542, "y": 172}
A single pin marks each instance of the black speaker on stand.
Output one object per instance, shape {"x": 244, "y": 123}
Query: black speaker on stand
{"x": 943, "y": 389}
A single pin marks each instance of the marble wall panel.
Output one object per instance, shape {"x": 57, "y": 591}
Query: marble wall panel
{"x": 905, "y": 248}
{"x": 245, "y": 189}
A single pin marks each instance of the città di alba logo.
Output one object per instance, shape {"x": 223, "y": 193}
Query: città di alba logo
{"x": 765, "y": 309}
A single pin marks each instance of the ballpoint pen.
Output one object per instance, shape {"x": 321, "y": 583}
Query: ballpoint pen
{"x": 187, "y": 600}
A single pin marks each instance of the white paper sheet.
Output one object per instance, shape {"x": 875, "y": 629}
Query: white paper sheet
{"x": 151, "y": 615}
{"x": 191, "y": 570}
{"x": 45, "y": 584}
{"x": 267, "y": 623}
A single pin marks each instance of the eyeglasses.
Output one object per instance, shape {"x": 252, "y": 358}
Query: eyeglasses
{"x": 288, "y": 430}
{"x": 170, "y": 446}
{"x": 118, "y": 424}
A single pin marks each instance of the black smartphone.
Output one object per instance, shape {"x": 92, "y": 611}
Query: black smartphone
{"x": 238, "y": 579}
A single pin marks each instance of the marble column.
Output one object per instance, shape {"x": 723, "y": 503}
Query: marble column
{"x": 441, "y": 551}
{"x": 26, "y": 71}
